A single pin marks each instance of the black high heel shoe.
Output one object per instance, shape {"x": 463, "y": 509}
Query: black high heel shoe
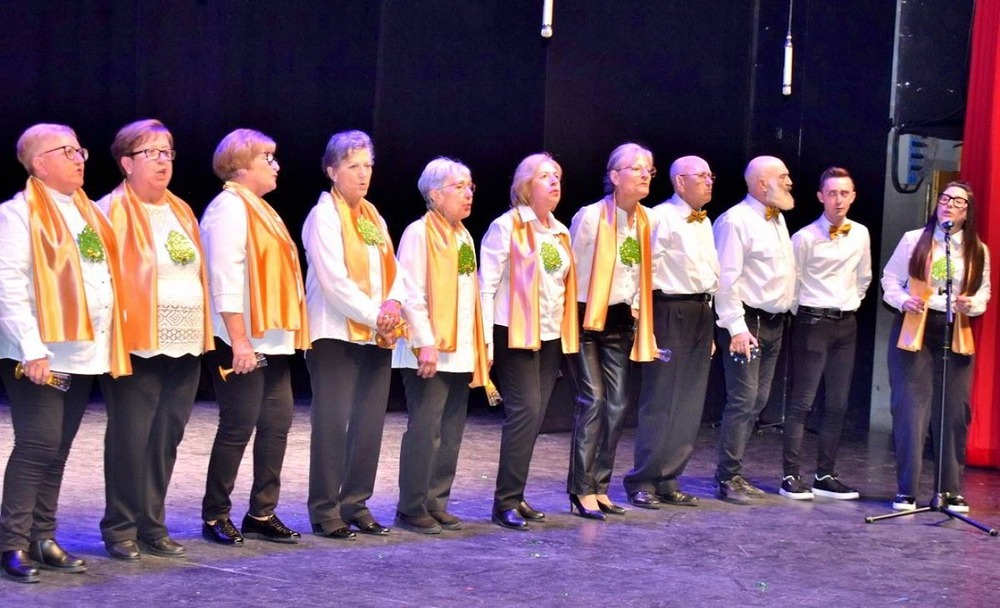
{"x": 610, "y": 508}
{"x": 574, "y": 502}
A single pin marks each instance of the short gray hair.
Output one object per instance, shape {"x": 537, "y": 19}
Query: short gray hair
{"x": 342, "y": 144}
{"x": 31, "y": 140}
{"x": 436, "y": 173}
{"x": 626, "y": 150}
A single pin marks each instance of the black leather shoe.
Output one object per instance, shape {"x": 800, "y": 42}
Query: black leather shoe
{"x": 447, "y": 520}
{"x": 644, "y": 500}
{"x": 341, "y": 533}
{"x": 525, "y": 511}
{"x": 17, "y": 566}
{"x": 423, "y": 524}
{"x": 50, "y": 556}
{"x": 271, "y": 529}
{"x": 610, "y": 508}
{"x": 162, "y": 547}
{"x": 223, "y": 532}
{"x": 125, "y": 550}
{"x": 582, "y": 511}
{"x": 679, "y": 499}
{"x": 510, "y": 519}
{"x": 370, "y": 527}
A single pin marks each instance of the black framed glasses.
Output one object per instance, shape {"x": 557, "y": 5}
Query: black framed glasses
{"x": 269, "y": 157}
{"x": 704, "y": 176}
{"x": 70, "y": 152}
{"x": 156, "y": 153}
{"x": 957, "y": 201}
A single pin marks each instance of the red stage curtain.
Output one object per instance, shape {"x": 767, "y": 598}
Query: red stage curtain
{"x": 981, "y": 167}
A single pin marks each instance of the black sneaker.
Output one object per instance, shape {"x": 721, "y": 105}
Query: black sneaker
{"x": 793, "y": 487}
{"x": 733, "y": 491}
{"x": 828, "y": 486}
{"x": 904, "y": 502}
{"x": 271, "y": 529}
{"x": 955, "y": 502}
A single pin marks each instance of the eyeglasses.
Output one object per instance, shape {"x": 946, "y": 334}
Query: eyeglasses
{"x": 70, "y": 152}
{"x": 638, "y": 170}
{"x": 268, "y": 157}
{"x": 957, "y": 201}
{"x": 460, "y": 186}
{"x": 701, "y": 177}
{"x": 156, "y": 153}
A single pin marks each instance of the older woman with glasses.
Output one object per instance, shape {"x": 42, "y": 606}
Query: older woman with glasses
{"x": 61, "y": 328}
{"x": 166, "y": 303}
{"x": 259, "y": 318}
{"x": 612, "y": 249}
{"x": 528, "y": 286}
{"x": 915, "y": 282}
{"x": 349, "y": 295}
{"x": 446, "y": 352}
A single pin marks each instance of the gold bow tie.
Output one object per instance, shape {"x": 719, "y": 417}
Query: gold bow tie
{"x": 843, "y": 229}
{"x": 772, "y": 213}
{"x": 697, "y": 216}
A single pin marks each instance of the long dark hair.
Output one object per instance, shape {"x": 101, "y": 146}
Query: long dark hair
{"x": 972, "y": 248}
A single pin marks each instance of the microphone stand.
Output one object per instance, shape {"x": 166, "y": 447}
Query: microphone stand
{"x": 939, "y": 504}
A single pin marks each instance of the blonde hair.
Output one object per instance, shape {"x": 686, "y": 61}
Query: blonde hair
{"x": 133, "y": 134}
{"x": 236, "y": 151}
{"x": 523, "y": 175}
{"x": 31, "y": 140}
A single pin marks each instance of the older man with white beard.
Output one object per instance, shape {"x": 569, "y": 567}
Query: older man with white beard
{"x": 756, "y": 290}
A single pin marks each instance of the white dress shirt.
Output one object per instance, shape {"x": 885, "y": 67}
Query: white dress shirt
{"x": 179, "y": 296}
{"x": 896, "y": 274}
{"x": 833, "y": 272}
{"x": 332, "y": 297}
{"x": 412, "y": 270}
{"x": 19, "y": 334}
{"x": 756, "y": 262}
{"x": 684, "y": 256}
{"x": 494, "y": 272}
{"x": 224, "y": 238}
{"x": 583, "y": 231}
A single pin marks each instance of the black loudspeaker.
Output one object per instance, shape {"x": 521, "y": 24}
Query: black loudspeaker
{"x": 933, "y": 67}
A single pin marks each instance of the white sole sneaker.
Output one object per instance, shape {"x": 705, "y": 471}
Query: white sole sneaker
{"x": 796, "y": 495}
{"x": 836, "y": 495}
{"x": 904, "y": 506}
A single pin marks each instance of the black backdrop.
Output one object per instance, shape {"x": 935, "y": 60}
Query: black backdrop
{"x": 468, "y": 79}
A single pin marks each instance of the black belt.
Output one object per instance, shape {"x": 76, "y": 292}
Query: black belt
{"x": 682, "y": 297}
{"x": 762, "y": 314}
{"x": 825, "y": 313}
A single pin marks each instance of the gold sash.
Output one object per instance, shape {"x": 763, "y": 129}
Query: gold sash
{"x": 277, "y": 298}
{"x": 602, "y": 274}
{"x": 137, "y": 252}
{"x": 60, "y": 299}
{"x": 442, "y": 293}
{"x": 525, "y": 320}
{"x": 911, "y": 335}
{"x": 356, "y": 255}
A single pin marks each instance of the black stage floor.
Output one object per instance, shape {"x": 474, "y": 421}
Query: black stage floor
{"x": 818, "y": 553}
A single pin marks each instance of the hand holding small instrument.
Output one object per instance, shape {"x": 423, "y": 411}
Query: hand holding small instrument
{"x": 224, "y": 372}
{"x": 57, "y": 380}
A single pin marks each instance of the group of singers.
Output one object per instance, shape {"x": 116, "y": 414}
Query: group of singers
{"x": 133, "y": 291}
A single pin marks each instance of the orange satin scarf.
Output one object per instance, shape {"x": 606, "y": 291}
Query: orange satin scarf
{"x": 911, "y": 335}
{"x": 442, "y": 293}
{"x": 137, "y": 249}
{"x": 525, "y": 320}
{"x": 602, "y": 274}
{"x": 60, "y": 299}
{"x": 277, "y": 298}
{"x": 356, "y": 255}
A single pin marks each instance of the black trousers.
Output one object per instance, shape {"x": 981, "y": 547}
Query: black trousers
{"x": 526, "y": 378}
{"x": 916, "y": 388}
{"x": 822, "y": 348}
{"x": 599, "y": 373}
{"x": 672, "y": 396}
{"x": 428, "y": 452}
{"x": 748, "y": 388}
{"x": 45, "y": 422}
{"x": 260, "y": 401}
{"x": 147, "y": 413}
{"x": 350, "y": 391}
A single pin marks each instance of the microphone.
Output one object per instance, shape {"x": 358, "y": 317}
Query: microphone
{"x": 947, "y": 225}
{"x": 786, "y": 73}
{"x": 547, "y": 18}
